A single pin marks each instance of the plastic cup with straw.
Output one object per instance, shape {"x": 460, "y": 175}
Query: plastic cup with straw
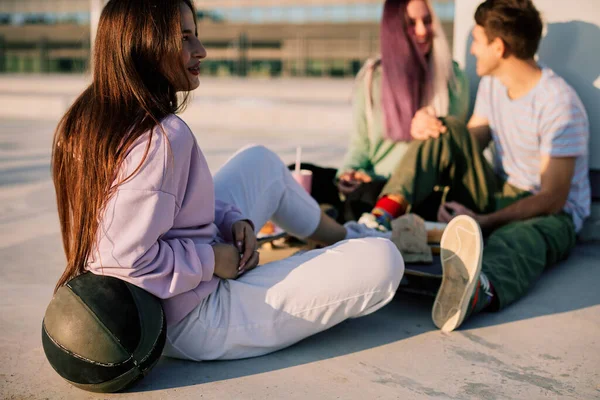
{"x": 302, "y": 176}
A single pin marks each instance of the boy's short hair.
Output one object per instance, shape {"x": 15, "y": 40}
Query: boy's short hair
{"x": 516, "y": 22}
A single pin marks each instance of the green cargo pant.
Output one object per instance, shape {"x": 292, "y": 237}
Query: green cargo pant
{"x": 516, "y": 254}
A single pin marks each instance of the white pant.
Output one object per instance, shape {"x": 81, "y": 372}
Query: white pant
{"x": 283, "y": 302}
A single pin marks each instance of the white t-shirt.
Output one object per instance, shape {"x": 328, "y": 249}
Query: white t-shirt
{"x": 549, "y": 120}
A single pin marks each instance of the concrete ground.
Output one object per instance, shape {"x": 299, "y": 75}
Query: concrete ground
{"x": 545, "y": 346}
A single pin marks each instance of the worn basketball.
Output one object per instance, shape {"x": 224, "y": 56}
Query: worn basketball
{"x": 102, "y": 334}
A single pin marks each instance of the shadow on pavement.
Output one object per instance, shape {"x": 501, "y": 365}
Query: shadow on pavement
{"x": 404, "y": 317}
{"x": 569, "y": 286}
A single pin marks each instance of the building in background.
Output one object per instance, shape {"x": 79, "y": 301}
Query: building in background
{"x": 243, "y": 37}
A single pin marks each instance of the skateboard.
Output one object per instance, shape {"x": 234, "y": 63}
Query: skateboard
{"x": 275, "y": 244}
{"x": 425, "y": 279}
{"x": 270, "y": 233}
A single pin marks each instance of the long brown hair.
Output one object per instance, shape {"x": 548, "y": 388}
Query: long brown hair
{"x": 135, "y": 62}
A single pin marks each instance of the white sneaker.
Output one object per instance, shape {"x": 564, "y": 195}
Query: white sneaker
{"x": 356, "y": 230}
{"x": 461, "y": 254}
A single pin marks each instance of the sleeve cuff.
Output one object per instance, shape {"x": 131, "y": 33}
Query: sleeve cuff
{"x": 231, "y": 218}
{"x": 250, "y": 222}
{"x": 206, "y": 255}
{"x": 564, "y": 154}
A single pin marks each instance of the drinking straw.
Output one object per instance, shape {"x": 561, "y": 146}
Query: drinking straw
{"x": 298, "y": 157}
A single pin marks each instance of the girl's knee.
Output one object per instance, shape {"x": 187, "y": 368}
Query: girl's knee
{"x": 258, "y": 152}
{"x": 259, "y": 155}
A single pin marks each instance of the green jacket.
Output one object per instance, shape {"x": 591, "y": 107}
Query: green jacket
{"x": 375, "y": 155}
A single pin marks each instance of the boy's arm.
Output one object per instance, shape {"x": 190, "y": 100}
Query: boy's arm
{"x": 556, "y": 176}
{"x": 479, "y": 124}
{"x": 479, "y": 128}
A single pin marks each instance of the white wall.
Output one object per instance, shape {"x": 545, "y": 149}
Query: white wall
{"x": 571, "y": 47}
{"x": 96, "y": 7}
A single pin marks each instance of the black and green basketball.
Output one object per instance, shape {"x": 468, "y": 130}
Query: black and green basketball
{"x": 102, "y": 334}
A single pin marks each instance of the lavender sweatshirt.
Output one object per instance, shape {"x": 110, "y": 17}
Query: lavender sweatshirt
{"x": 158, "y": 229}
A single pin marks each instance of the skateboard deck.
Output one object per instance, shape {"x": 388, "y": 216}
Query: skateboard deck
{"x": 270, "y": 233}
{"x": 419, "y": 278}
{"x": 433, "y": 270}
{"x": 423, "y": 279}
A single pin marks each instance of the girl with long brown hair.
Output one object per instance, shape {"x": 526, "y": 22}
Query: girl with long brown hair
{"x": 136, "y": 201}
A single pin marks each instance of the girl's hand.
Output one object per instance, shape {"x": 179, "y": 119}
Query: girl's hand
{"x": 346, "y": 187}
{"x": 426, "y": 125}
{"x": 227, "y": 259}
{"x": 362, "y": 177}
{"x": 355, "y": 176}
{"x": 347, "y": 176}
{"x": 350, "y": 181}
{"x": 246, "y": 243}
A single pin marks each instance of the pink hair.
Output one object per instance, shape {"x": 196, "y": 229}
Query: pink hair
{"x": 405, "y": 70}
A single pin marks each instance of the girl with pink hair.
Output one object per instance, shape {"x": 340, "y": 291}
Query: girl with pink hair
{"x": 414, "y": 70}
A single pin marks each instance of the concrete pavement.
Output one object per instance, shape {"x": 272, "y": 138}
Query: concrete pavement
{"x": 545, "y": 346}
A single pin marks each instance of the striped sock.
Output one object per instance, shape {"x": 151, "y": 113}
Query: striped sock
{"x": 483, "y": 296}
{"x": 387, "y": 209}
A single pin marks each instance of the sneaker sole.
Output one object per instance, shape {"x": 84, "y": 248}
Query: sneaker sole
{"x": 461, "y": 254}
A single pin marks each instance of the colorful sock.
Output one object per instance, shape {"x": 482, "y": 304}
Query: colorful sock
{"x": 383, "y": 218}
{"x": 387, "y": 209}
{"x": 483, "y": 296}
